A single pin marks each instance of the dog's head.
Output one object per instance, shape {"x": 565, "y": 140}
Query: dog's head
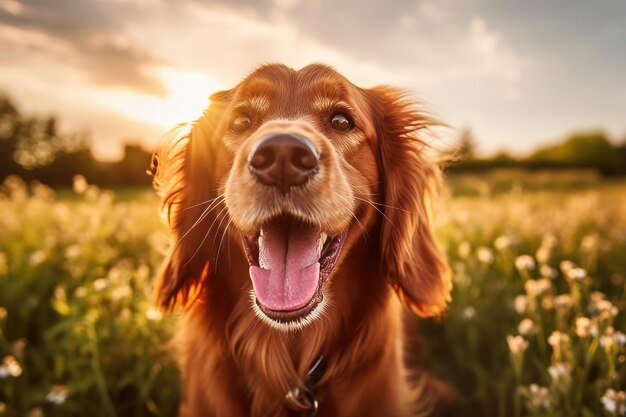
{"x": 295, "y": 168}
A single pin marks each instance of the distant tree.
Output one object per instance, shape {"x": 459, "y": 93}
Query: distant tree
{"x": 504, "y": 159}
{"x": 466, "y": 145}
{"x": 134, "y": 165}
{"x": 33, "y": 146}
{"x": 9, "y": 131}
{"x": 34, "y": 149}
{"x": 582, "y": 150}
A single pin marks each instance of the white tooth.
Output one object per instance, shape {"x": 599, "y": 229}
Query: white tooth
{"x": 261, "y": 232}
{"x": 321, "y": 240}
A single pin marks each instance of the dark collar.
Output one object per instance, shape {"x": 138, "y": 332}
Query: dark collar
{"x": 303, "y": 400}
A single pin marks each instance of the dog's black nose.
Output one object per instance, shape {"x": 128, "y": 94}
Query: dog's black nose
{"x": 284, "y": 160}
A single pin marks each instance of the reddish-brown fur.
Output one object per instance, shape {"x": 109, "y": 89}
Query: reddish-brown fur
{"x": 233, "y": 363}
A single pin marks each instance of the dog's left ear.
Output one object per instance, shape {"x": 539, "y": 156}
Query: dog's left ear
{"x": 411, "y": 258}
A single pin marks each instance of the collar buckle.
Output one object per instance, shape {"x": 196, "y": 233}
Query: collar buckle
{"x": 303, "y": 400}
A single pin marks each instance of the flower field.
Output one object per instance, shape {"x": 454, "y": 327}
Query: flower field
{"x": 536, "y": 326}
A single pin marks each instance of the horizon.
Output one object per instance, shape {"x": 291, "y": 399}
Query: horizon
{"x": 519, "y": 76}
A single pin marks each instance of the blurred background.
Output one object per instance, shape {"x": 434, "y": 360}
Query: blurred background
{"x": 532, "y": 217}
{"x": 529, "y": 83}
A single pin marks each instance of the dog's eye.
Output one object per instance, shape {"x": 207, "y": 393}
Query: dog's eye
{"x": 241, "y": 123}
{"x": 340, "y": 122}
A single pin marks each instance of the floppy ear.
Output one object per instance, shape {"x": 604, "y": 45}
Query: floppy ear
{"x": 411, "y": 258}
{"x": 184, "y": 177}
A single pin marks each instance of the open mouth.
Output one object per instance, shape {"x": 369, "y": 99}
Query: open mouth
{"x": 289, "y": 260}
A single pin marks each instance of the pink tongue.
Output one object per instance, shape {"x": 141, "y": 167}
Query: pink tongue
{"x": 289, "y": 265}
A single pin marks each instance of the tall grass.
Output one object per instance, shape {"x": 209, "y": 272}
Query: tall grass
{"x": 78, "y": 333}
{"x": 535, "y": 327}
{"x": 536, "y": 324}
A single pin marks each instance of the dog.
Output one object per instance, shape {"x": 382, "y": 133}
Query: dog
{"x": 300, "y": 210}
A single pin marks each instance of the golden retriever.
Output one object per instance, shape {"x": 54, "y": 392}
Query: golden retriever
{"x": 299, "y": 207}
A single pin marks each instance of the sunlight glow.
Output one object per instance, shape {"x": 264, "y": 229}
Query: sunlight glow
{"x": 188, "y": 97}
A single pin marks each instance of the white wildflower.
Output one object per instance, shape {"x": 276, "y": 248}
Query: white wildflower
{"x": 503, "y": 242}
{"x": 517, "y": 344}
{"x": 583, "y": 327}
{"x": 589, "y": 242}
{"x": 121, "y": 292}
{"x": 548, "y": 243}
{"x": 37, "y": 258}
{"x": 597, "y": 296}
{"x": 80, "y": 292}
{"x": 577, "y": 274}
{"x": 539, "y": 396}
{"x": 464, "y": 249}
{"x": 154, "y": 314}
{"x": 57, "y": 394}
{"x": 561, "y": 372}
{"x": 526, "y": 327}
{"x": 484, "y": 255}
{"x": 10, "y": 367}
{"x": 612, "y": 338}
{"x": 547, "y": 302}
{"x": 525, "y": 263}
{"x": 100, "y": 284}
{"x": 557, "y": 339}
{"x": 469, "y": 313}
{"x": 563, "y": 301}
{"x": 72, "y": 252}
{"x": 566, "y": 266}
{"x": 548, "y": 272}
{"x": 606, "y": 309}
{"x": 80, "y": 184}
{"x": 572, "y": 272}
{"x": 614, "y": 402}
{"x": 521, "y": 304}
{"x": 536, "y": 287}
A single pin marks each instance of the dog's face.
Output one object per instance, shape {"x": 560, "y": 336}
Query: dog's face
{"x": 300, "y": 156}
{"x": 296, "y": 167}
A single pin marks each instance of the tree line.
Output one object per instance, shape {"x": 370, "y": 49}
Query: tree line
{"x": 33, "y": 148}
{"x": 580, "y": 150}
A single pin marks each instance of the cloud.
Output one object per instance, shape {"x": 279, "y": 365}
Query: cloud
{"x": 90, "y": 35}
{"x": 512, "y": 70}
{"x": 423, "y": 42}
{"x": 495, "y": 57}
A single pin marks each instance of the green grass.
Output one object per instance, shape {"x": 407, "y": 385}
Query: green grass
{"x": 79, "y": 335}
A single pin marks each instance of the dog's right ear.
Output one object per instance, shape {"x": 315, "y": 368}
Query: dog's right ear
{"x": 185, "y": 179}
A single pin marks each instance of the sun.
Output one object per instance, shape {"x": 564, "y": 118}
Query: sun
{"x": 188, "y": 96}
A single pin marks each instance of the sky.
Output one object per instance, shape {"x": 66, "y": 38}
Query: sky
{"x": 518, "y": 73}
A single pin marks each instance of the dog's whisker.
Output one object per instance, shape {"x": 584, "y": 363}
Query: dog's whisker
{"x": 380, "y": 211}
{"x": 205, "y": 236}
{"x": 204, "y": 215}
{"x": 355, "y": 188}
{"x": 219, "y": 248}
{"x": 203, "y": 202}
{"x": 365, "y": 185}
{"x": 380, "y": 204}
{"x": 365, "y": 234}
